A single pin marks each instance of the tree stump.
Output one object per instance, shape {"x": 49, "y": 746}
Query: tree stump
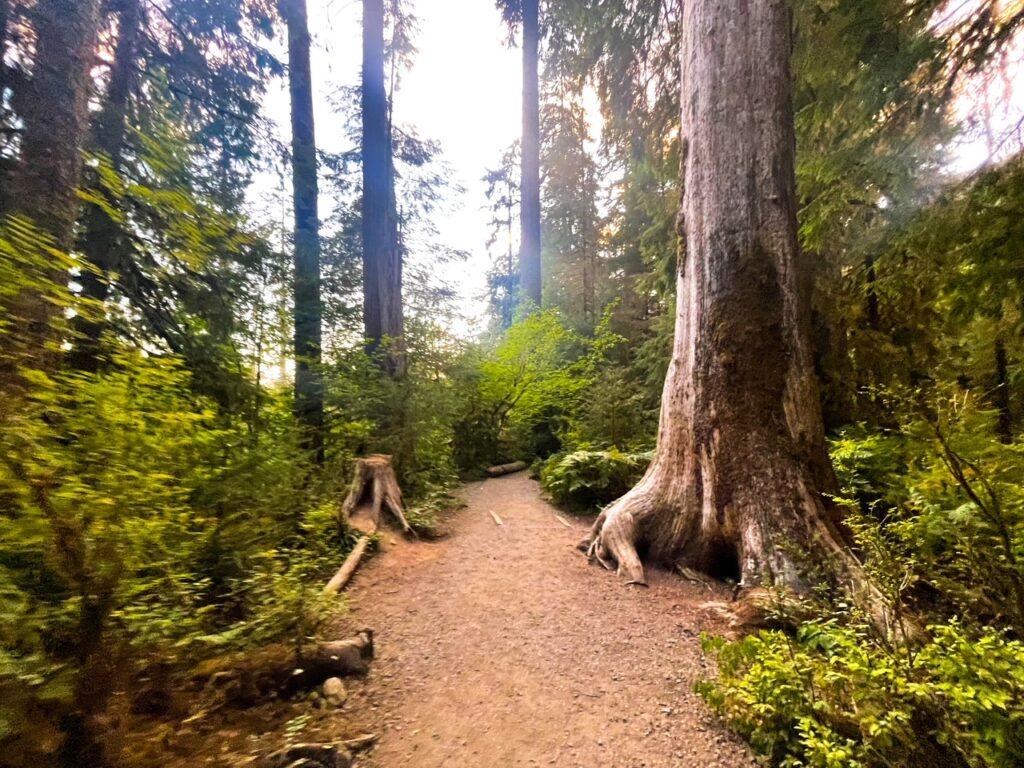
{"x": 374, "y": 486}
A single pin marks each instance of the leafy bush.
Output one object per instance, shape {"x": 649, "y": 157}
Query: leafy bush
{"x": 522, "y": 397}
{"x": 941, "y": 529}
{"x": 136, "y": 522}
{"x": 615, "y": 410}
{"x": 586, "y": 480}
{"x": 833, "y": 696}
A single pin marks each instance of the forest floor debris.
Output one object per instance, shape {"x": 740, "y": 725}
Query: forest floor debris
{"x": 502, "y": 647}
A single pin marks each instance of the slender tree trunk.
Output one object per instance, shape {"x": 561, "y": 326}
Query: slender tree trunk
{"x": 874, "y": 313}
{"x": 382, "y": 257}
{"x": 1004, "y": 424}
{"x": 736, "y": 484}
{"x": 5, "y": 15}
{"x": 309, "y": 394}
{"x": 55, "y": 117}
{"x": 529, "y": 246}
{"x": 102, "y": 242}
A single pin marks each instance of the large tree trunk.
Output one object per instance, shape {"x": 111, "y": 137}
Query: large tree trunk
{"x": 309, "y": 396}
{"x": 736, "y": 484}
{"x": 102, "y": 242}
{"x": 55, "y": 117}
{"x": 382, "y": 256}
{"x": 529, "y": 247}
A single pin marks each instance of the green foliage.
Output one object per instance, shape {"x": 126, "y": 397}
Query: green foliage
{"x": 832, "y": 696}
{"x": 520, "y": 400}
{"x": 616, "y": 410}
{"x": 135, "y": 522}
{"x": 940, "y": 525}
{"x": 586, "y": 480}
{"x": 412, "y": 420}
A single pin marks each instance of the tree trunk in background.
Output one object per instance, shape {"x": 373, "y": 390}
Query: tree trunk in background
{"x": 309, "y": 391}
{"x": 736, "y": 485}
{"x": 102, "y": 244}
{"x": 873, "y": 311}
{"x": 1004, "y": 422}
{"x": 5, "y": 15}
{"x": 55, "y": 115}
{"x": 529, "y": 247}
{"x": 382, "y": 257}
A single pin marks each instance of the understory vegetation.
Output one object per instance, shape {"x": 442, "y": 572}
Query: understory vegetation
{"x": 166, "y": 497}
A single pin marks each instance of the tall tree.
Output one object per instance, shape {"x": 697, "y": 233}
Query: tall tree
{"x": 309, "y": 397}
{"x": 529, "y": 245}
{"x": 503, "y": 195}
{"x": 102, "y": 244}
{"x": 571, "y": 221}
{"x": 383, "y": 317}
{"x": 737, "y": 480}
{"x": 55, "y": 119}
{"x": 526, "y": 14}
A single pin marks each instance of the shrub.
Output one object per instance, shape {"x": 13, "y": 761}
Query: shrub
{"x": 586, "y": 480}
{"x": 941, "y": 530}
{"x": 523, "y": 395}
{"x": 832, "y": 696}
{"x": 137, "y": 522}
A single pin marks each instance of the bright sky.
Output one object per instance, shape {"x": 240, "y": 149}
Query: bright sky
{"x": 464, "y": 90}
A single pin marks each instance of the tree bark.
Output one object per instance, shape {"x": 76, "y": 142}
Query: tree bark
{"x": 309, "y": 391}
{"x": 5, "y": 15}
{"x": 249, "y": 678}
{"x": 102, "y": 242}
{"x": 382, "y": 256}
{"x": 374, "y": 487}
{"x": 736, "y": 485}
{"x": 529, "y": 247}
{"x": 55, "y": 118}
{"x": 1004, "y": 415}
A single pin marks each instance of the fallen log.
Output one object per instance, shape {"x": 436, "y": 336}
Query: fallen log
{"x": 309, "y": 756}
{"x": 247, "y": 679}
{"x": 348, "y": 568}
{"x": 374, "y": 488}
{"x": 360, "y": 742}
{"x": 506, "y": 469}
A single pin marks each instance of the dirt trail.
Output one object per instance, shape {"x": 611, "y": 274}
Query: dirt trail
{"x": 498, "y": 646}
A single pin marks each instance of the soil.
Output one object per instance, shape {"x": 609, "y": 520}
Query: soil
{"x": 499, "y": 646}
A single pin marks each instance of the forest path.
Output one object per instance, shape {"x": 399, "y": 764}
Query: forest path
{"x": 499, "y": 646}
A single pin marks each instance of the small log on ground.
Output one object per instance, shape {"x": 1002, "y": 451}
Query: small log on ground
{"x": 348, "y": 568}
{"x": 506, "y": 469}
{"x": 309, "y": 756}
{"x": 374, "y": 487}
{"x": 247, "y": 679}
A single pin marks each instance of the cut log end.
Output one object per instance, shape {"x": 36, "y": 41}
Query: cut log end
{"x": 506, "y": 469}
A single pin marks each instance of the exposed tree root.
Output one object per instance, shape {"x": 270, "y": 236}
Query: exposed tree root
{"x": 778, "y": 557}
{"x": 612, "y": 540}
